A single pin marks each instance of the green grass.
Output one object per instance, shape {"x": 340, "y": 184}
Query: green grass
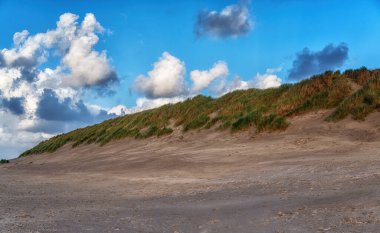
{"x": 247, "y": 121}
{"x": 271, "y": 123}
{"x": 198, "y": 122}
{"x": 3, "y": 161}
{"x": 361, "y": 103}
{"x": 259, "y": 110}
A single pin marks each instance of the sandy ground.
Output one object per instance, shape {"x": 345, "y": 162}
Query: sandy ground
{"x": 314, "y": 177}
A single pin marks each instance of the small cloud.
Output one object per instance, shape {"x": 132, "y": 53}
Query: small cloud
{"x": 225, "y": 87}
{"x": 20, "y": 37}
{"x": 265, "y": 81}
{"x": 118, "y": 110}
{"x": 203, "y": 78}
{"x": 274, "y": 70}
{"x": 165, "y": 80}
{"x": 144, "y": 104}
{"x": 260, "y": 81}
{"x": 308, "y": 63}
{"x": 232, "y": 21}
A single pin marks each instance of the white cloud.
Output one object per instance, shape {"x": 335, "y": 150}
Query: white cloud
{"x": 202, "y": 79}
{"x": 81, "y": 65}
{"x": 29, "y": 94}
{"x": 8, "y": 76}
{"x": 145, "y": 104}
{"x": 264, "y": 81}
{"x": 118, "y": 110}
{"x": 88, "y": 67}
{"x": 268, "y": 80}
{"x": 20, "y": 37}
{"x": 225, "y": 87}
{"x": 260, "y": 81}
{"x": 165, "y": 80}
{"x": 13, "y": 139}
{"x": 12, "y": 87}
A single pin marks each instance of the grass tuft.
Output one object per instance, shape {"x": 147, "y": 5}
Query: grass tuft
{"x": 4, "y": 161}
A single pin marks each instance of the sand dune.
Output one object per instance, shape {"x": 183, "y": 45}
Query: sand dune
{"x": 314, "y": 177}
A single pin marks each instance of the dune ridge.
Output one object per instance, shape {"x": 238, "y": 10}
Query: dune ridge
{"x": 354, "y": 93}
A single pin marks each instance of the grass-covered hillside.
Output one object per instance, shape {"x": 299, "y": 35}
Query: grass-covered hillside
{"x": 354, "y": 93}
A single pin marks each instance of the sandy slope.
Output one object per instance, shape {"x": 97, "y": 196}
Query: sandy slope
{"x": 314, "y": 177}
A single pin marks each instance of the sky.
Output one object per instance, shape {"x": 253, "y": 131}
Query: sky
{"x": 68, "y": 64}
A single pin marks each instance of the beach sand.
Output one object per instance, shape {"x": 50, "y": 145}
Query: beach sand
{"x": 314, "y": 177}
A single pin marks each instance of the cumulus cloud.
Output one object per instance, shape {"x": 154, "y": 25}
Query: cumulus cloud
{"x": 267, "y": 80}
{"x": 81, "y": 65}
{"x": 165, "y": 83}
{"x": 308, "y": 63}
{"x": 232, "y": 21}
{"x": 41, "y": 102}
{"x": 202, "y": 79}
{"x": 87, "y": 66}
{"x": 165, "y": 80}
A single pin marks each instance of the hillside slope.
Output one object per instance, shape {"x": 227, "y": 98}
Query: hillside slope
{"x": 353, "y": 93}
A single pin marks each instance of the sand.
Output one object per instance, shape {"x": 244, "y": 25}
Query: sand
{"x": 313, "y": 177}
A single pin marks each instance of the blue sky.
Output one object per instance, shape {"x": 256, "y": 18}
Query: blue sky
{"x": 135, "y": 35}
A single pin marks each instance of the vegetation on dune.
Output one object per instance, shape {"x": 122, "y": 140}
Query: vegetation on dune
{"x": 354, "y": 92}
{"x": 363, "y": 101}
{"x": 3, "y": 161}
